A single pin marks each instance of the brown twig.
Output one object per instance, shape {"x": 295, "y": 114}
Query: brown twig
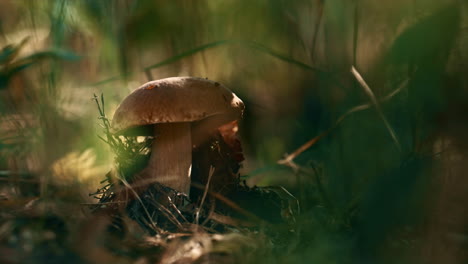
{"x": 212, "y": 209}
{"x": 229, "y": 203}
{"x": 289, "y": 159}
{"x": 227, "y": 220}
{"x": 210, "y": 174}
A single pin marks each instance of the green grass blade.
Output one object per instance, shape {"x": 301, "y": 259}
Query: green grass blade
{"x": 188, "y": 53}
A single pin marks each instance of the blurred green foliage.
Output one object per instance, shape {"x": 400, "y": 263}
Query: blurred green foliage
{"x": 362, "y": 199}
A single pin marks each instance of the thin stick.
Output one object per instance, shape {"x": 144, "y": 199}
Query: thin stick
{"x": 227, "y": 220}
{"x": 166, "y": 212}
{"x": 141, "y": 202}
{"x": 210, "y": 174}
{"x": 177, "y": 209}
{"x": 212, "y": 209}
{"x": 229, "y": 203}
{"x": 288, "y": 160}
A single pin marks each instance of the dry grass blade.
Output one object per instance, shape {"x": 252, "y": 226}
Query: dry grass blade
{"x": 230, "y": 203}
{"x": 374, "y": 101}
{"x": 197, "y": 214}
{"x": 227, "y": 220}
{"x": 153, "y": 225}
{"x": 289, "y": 159}
{"x": 188, "y": 53}
{"x": 367, "y": 106}
{"x": 167, "y": 213}
{"x": 179, "y": 213}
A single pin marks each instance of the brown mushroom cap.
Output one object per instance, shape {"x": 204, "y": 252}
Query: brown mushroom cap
{"x": 176, "y": 99}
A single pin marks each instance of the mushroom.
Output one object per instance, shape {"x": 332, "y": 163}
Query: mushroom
{"x": 182, "y": 112}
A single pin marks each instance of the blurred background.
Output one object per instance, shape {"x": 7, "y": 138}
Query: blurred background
{"x": 385, "y": 183}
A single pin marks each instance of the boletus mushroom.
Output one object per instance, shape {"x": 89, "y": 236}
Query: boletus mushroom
{"x": 181, "y": 112}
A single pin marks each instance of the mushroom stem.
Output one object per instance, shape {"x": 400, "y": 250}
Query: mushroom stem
{"x": 171, "y": 156}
